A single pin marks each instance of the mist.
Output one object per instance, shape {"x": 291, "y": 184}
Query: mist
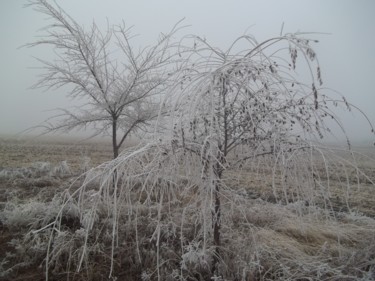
{"x": 346, "y": 43}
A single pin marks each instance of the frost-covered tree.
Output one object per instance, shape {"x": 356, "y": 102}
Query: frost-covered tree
{"x": 119, "y": 83}
{"x": 241, "y": 106}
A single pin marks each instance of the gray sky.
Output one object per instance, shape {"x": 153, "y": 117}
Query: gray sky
{"x": 346, "y": 56}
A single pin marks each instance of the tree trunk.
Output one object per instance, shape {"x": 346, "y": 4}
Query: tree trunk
{"x": 115, "y": 150}
{"x": 216, "y": 219}
{"x": 114, "y": 138}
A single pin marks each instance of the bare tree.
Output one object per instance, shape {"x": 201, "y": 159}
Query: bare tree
{"x": 121, "y": 86}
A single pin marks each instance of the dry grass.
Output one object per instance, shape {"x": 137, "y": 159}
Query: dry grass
{"x": 262, "y": 239}
{"x": 25, "y": 152}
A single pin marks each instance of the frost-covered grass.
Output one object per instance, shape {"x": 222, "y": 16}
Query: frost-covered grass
{"x": 137, "y": 220}
{"x": 261, "y": 241}
{"x": 37, "y": 170}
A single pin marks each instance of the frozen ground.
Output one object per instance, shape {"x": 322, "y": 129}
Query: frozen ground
{"x": 267, "y": 240}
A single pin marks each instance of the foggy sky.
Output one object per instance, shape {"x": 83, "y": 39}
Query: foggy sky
{"x": 346, "y": 55}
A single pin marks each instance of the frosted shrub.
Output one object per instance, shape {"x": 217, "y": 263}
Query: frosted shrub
{"x": 195, "y": 258}
{"x": 62, "y": 169}
{"x": 41, "y": 169}
{"x": 85, "y": 163}
{"x": 33, "y": 214}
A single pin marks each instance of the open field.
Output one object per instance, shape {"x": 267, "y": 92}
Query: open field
{"x": 267, "y": 239}
{"x": 25, "y": 152}
{"x": 37, "y": 169}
